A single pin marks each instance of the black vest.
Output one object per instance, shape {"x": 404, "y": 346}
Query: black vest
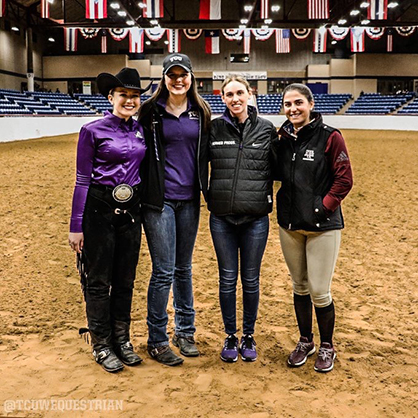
{"x": 306, "y": 178}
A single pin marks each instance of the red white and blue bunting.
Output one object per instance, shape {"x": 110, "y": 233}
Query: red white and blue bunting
{"x": 338, "y": 33}
{"x": 154, "y": 9}
{"x": 357, "y": 39}
{"x": 118, "y": 34}
{"x": 232, "y": 34}
{"x": 136, "y": 40}
{"x": 173, "y": 37}
{"x": 192, "y": 34}
{"x": 375, "y": 33}
{"x": 89, "y": 33}
{"x": 405, "y": 30}
{"x": 301, "y": 33}
{"x": 155, "y": 34}
{"x": 262, "y": 34}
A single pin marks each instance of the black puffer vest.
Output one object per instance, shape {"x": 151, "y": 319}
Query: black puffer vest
{"x": 241, "y": 179}
{"x": 306, "y": 178}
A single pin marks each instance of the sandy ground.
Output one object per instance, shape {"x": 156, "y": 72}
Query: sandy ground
{"x": 43, "y": 360}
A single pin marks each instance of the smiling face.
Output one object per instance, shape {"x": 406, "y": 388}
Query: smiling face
{"x": 297, "y": 108}
{"x": 125, "y": 102}
{"x": 178, "y": 81}
{"x": 235, "y": 95}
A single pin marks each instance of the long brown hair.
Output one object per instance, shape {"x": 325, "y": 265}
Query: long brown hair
{"x": 192, "y": 93}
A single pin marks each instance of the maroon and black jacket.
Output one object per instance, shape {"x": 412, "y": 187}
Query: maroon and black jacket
{"x": 315, "y": 172}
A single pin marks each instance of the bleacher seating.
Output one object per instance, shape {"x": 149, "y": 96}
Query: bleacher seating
{"x": 410, "y": 108}
{"x": 378, "y": 104}
{"x": 330, "y": 104}
{"x": 215, "y": 102}
{"x": 269, "y": 104}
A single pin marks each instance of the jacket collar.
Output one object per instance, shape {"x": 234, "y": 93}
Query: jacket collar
{"x": 287, "y": 129}
{"x": 115, "y": 122}
{"x": 252, "y": 116}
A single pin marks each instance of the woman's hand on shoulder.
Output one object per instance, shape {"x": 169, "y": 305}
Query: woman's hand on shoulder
{"x": 76, "y": 241}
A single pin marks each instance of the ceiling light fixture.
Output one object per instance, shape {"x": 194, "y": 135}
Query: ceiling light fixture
{"x": 393, "y": 4}
{"x": 147, "y": 42}
{"x": 15, "y": 28}
{"x": 115, "y": 6}
{"x": 365, "y": 22}
{"x": 364, "y": 4}
{"x": 51, "y": 39}
{"x": 153, "y": 22}
{"x": 354, "y": 12}
{"x": 122, "y": 13}
{"x": 142, "y": 5}
{"x": 342, "y": 21}
{"x": 130, "y": 22}
{"x": 248, "y": 8}
{"x": 268, "y": 21}
{"x": 244, "y": 21}
{"x": 275, "y": 8}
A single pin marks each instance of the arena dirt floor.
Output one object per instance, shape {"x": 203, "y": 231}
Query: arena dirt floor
{"x": 44, "y": 365}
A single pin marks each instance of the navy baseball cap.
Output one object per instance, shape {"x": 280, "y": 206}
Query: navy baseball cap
{"x": 176, "y": 59}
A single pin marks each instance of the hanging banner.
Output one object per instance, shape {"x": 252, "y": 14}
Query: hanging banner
{"x": 301, "y": 33}
{"x": 338, "y": 33}
{"x": 212, "y": 42}
{"x": 264, "y": 9}
{"x": 318, "y": 9}
{"x": 96, "y": 9}
{"x": 262, "y": 34}
{"x": 405, "y": 30}
{"x": 378, "y": 10}
{"x": 210, "y": 10}
{"x": 282, "y": 41}
{"x": 232, "y": 34}
{"x": 44, "y": 9}
{"x": 247, "y": 41}
{"x": 249, "y": 75}
{"x": 88, "y": 33}
{"x": 192, "y": 34}
{"x": 118, "y": 34}
{"x": 375, "y": 33}
{"x": 320, "y": 40}
{"x": 154, "y": 9}
{"x": 357, "y": 39}
{"x": 155, "y": 34}
{"x": 136, "y": 40}
{"x": 173, "y": 37}
{"x": 70, "y": 39}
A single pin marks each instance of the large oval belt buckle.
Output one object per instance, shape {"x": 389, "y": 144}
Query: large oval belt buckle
{"x": 122, "y": 193}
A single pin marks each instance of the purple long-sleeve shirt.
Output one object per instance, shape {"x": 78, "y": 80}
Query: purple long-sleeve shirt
{"x": 109, "y": 152}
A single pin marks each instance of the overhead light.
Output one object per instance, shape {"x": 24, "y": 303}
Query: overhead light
{"x": 15, "y": 28}
{"x": 393, "y": 4}
{"x": 153, "y": 22}
{"x": 264, "y": 26}
{"x": 275, "y": 8}
{"x": 268, "y": 21}
{"x": 364, "y": 4}
{"x": 115, "y": 6}
{"x": 365, "y": 22}
{"x": 166, "y": 42}
{"x": 242, "y": 26}
{"x": 130, "y": 22}
{"x": 147, "y": 42}
{"x": 342, "y": 21}
{"x": 244, "y": 21}
{"x": 51, "y": 39}
{"x": 333, "y": 42}
{"x": 142, "y": 5}
{"x": 354, "y": 12}
{"x": 248, "y": 8}
{"x": 122, "y": 13}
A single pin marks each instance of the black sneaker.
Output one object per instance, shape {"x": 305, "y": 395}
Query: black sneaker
{"x": 230, "y": 350}
{"x": 303, "y": 350}
{"x": 165, "y": 355}
{"x": 187, "y": 345}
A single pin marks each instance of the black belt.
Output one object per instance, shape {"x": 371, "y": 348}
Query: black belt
{"x": 111, "y": 197}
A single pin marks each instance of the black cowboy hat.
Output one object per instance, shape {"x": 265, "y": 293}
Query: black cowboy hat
{"x": 126, "y": 77}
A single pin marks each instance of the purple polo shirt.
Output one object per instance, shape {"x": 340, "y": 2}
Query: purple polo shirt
{"x": 109, "y": 153}
{"x": 181, "y": 138}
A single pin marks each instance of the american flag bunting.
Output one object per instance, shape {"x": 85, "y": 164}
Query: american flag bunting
{"x": 318, "y": 9}
{"x": 210, "y": 10}
{"x": 154, "y": 9}
{"x": 282, "y": 41}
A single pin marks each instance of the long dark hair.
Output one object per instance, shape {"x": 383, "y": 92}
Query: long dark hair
{"x": 192, "y": 93}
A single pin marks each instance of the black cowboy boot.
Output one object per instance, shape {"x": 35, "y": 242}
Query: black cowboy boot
{"x": 122, "y": 345}
{"x": 104, "y": 354}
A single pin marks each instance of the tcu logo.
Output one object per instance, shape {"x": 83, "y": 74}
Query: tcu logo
{"x": 309, "y": 155}
{"x": 176, "y": 59}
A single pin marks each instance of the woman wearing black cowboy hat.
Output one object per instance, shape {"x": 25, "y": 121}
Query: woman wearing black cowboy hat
{"x": 105, "y": 228}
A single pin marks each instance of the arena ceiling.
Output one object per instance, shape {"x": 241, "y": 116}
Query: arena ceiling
{"x": 184, "y": 14}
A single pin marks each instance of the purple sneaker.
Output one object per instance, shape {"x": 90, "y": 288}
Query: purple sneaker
{"x": 303, "y": 350}
{"x": 326, "y": 356}
{"x": 247, "y": 348}
{"x": 230, "y": 351}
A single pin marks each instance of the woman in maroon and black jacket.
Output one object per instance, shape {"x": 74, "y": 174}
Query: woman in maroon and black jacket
{"x": 313, "y": 165}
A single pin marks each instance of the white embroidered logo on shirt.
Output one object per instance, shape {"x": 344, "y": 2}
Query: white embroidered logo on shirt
{"x": 193, "y": 115}
{"x": 139, "y": 135}
{"x": 309, "y": 155}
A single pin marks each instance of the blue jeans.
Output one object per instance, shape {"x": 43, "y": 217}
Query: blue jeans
{"x": 171, "y": 235}
{"x": 249, "y": 240}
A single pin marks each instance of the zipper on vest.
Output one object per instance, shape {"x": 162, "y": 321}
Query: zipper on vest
{"x": 198, "y": 152}
{"x": 237, "y": 165}
{"x": 292, "y": 180}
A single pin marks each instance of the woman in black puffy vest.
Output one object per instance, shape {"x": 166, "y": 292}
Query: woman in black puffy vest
{"x": 240, "y": 199}
{"x": 315, "y": 171}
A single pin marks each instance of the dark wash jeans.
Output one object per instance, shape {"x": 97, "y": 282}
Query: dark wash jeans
{"x": 171, "y": 235}
{"x": 246, "y": 242}
{"x": 110, "y": 253}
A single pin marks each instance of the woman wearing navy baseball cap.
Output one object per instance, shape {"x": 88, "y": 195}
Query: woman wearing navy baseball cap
{"x": 176, "y": 122}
